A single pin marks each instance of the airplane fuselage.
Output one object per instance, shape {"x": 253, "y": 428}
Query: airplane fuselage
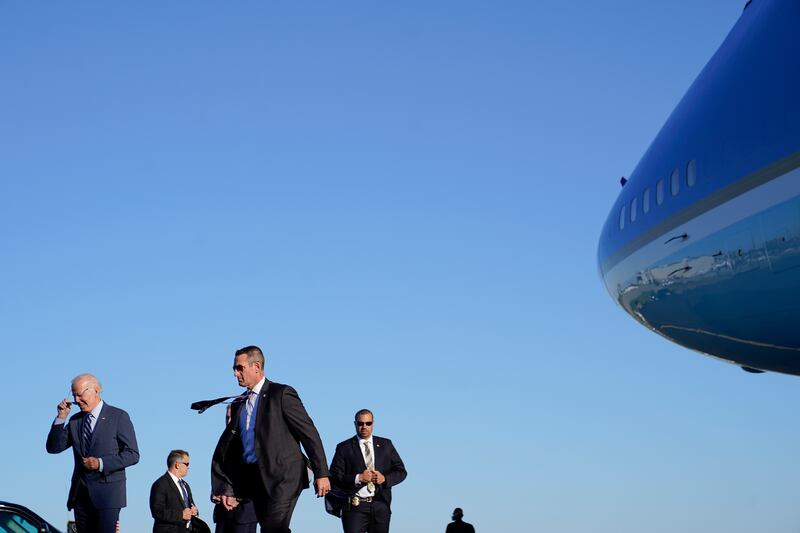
{"x": 703, "y": 242}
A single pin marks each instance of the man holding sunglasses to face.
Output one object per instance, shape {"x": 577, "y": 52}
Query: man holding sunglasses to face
{"x": 103, "y": 444}
{"x": 366, "y": 468}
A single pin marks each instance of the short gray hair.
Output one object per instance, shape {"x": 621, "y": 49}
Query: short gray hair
{"x": 175, "y": 456}
{"x": 90, "y": 377}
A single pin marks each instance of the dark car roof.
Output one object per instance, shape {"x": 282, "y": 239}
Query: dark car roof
{"x": 24, "y": 510}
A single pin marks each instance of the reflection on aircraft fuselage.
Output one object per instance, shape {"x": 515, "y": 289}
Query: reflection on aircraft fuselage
{"x": 703, "y": 243}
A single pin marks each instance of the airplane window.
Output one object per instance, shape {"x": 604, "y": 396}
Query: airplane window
{"x": 622, "y": 218}
{"x": 675, "y": 182}
{"x": 634, "y": 206}
{"x": 646, "y": 200}
{"x": 660, "y": 192}
{"x": 691, "y": 173}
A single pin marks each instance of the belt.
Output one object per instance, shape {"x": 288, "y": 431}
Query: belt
{"x": 355, "y": 501}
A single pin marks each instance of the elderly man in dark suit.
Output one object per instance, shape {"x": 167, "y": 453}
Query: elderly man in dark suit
{"x": 366, "y": 467}
{"x": 103, "y": 444}
{"x": 258, "y": 456}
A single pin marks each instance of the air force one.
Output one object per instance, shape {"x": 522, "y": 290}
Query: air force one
{"x": 703, "y": 244}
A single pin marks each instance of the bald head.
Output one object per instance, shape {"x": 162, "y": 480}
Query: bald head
{"x": 86, "y": 391}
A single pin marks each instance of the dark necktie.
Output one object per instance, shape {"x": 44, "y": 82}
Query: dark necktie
{"x": 182, "y": 483}
{"x": 87, "y": 433}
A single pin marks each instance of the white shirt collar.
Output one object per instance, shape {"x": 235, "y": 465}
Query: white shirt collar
{"x": 257, "y": 388}
{"x": 96, "y": 411}
{"x": 175, "y": 478}
{"x": 362, "y": 441}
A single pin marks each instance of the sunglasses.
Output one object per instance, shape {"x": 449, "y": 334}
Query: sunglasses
{"x": 359, "y": 424}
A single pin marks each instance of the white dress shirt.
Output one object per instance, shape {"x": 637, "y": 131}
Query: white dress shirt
{"x": 364, "y": 491}
{"x": 177, "y": 481}
{"x": 251, "y": 400}
{"x": 92, "y": 422}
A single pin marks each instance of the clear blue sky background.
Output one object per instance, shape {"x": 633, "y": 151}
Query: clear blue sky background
{"x": 400, "y": 202}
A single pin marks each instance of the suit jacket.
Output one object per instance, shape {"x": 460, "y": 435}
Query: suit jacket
{"x": 348, "y": 461}
{"x": 166, "y": 506}
{"x": 281, "y": 426}
{"x": 242, "y": 515}
{"x": 113, "y": 441}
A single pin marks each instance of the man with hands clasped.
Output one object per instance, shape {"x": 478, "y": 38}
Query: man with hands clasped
{"x": 366, "y": 467}
{"x": 171, "y": 502}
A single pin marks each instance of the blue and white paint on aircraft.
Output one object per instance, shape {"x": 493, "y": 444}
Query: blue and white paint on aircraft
{"x": 703, "y": 242}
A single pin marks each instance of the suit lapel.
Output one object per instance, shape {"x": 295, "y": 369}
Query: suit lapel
{"x": 356, "y": 448}
{"x": 263, "y": 404}
{"x": 100, "y": 424}
{"x": 177, "y": 491}
{"x": 378, "y": 451}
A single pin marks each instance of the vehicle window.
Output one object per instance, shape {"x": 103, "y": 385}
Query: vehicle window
{"x": 622, "y": 218}
{"x": 691, "y": 173}
{"x": 646, "y": 200}
{"x": 11, "y": 522}
{"x": 675, "y": 182}
{"x": 660, "y": 192}
{"x": 634, "y": 208}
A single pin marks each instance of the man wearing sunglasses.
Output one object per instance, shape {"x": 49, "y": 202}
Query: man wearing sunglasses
{"x": 365, "y": 468}
{"x": 171, "y": 502}
{"x": 258, "y": 456}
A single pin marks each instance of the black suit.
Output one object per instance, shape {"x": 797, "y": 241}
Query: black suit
{"x": 97, "y": 496}
{"x": 167, "y": 505}
{"x": 348, "y": 462}
{"x": 459, "y": 527}
{"x": 242, "y": 519}
{"x": 274, "y": 482}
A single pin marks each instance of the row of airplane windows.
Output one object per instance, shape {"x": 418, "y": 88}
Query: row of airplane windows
{"x": 674, "y": 188}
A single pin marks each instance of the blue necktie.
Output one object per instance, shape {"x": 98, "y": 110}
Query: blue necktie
{"x": 182, "y": 483}
{"x": 87, "y": 433}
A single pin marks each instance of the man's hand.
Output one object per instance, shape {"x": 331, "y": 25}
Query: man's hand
{"x": 367, "y": 476}
{"x": 379, "y": 478}
{"x": 229, "y": 502}
{"x": 323, "y": 486}
{"x": 91, "y": 463}
{"x": 187, "y": 513}
{"x": 62, "y": 409}
{"x": 194, "y": 510}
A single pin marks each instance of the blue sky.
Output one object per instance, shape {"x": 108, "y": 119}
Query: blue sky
{"x": 400, "y": 202}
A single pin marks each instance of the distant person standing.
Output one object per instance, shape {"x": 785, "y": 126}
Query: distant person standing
{"x": 458, "y": 525}
{"x": 258, "y": 456}
{"x": 171, "y": 502}
{"x": 366, "y": 467}
{"x": 103, "y": 444}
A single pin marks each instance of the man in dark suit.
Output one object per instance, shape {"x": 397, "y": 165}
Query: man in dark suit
{"x": 171, "y": 501}
{"x": 240, "y": 519}
{"x": 366, "y": 468}
{"x": 258, "y": 456}
{"x": 103, "y": 445}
